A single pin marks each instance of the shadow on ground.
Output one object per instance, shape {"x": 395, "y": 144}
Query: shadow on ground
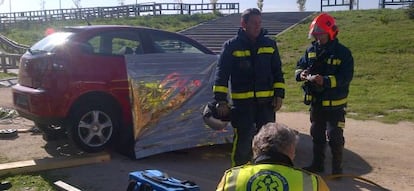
{"x": 203, "y": 165}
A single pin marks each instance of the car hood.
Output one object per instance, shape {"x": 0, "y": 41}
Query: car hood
{"x": 168, "y": 92}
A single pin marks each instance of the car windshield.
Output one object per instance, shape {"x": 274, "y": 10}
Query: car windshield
{"x": 48, "y": 43}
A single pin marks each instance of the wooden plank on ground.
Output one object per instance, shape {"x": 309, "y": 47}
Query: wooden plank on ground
{"x": 51, "y": 163}
{"x": 64, "y": 186}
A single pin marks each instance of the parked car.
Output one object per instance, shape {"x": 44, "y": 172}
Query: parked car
{"x": 74, "y": 81}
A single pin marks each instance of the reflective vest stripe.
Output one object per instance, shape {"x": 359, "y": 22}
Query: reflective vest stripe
{"x": 265, "y": 94}
{"x": 266, "y": 50}
{"x": 241, "y": 53}
{"x": 334, "y": 61}
{"x": 308, "y": 97}
{"x": 231, "y": 182}
{"x": 244, "y": 95}
{"x": 311, "y": 54}
{"x": 307, "y": 182}
{"x": 341, "y": 125}
{"x": 334, "y": 102}
{"x": 221, "y": 89}
{"x": 247, "y": 95}
{"x": 236, "y": 139}
{"x": 261, "y": 50}
{"x": 333, "y": 81}
{"x": 279, "y": 85}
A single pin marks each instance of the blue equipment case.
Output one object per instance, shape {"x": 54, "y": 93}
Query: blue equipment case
{"x": 155, "y": 180}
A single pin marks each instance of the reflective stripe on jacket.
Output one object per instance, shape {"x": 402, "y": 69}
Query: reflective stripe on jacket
{"x": 270, "y": 177}
{"x": 254, "y": 70}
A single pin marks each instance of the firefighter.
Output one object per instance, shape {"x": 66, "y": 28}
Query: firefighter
{"x": 273, "y": 152}
{"x": 327, "y": 69}
{"x": 252, "y": 63}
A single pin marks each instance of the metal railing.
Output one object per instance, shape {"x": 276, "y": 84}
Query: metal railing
{"x": 384, "y": 3}
{"x": 133, "y": 10}
{"x": 9, "y": 61}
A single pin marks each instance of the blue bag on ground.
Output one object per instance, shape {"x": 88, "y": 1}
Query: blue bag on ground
{"x": 155, "y": 180}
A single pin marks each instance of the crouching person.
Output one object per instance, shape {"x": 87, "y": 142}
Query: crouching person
{"x": 273, "y": 153}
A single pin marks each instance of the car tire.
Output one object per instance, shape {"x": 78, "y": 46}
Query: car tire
{"x": 93, "y": 126}
{"x": 51, "y": 132}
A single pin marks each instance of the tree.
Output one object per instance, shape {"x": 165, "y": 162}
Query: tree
{"x": 260, "y": 4}
{"x": 301, "y": 5}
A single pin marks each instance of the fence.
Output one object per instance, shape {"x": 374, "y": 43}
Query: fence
{"x": 9, "y": 61}
{"x": 384, "y": 3}
{"x": 10, "y": 19}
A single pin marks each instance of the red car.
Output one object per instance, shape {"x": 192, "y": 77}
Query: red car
{"x": 74, "y": 81}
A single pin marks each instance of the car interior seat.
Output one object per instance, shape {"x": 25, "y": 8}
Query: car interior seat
{"x": 138, "y": 50}
{"x": 126, "y": 50}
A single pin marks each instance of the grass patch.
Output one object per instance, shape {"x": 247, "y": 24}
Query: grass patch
{"x": 6, "y": 75}
{"x": 30, "y": 182}
{"x": 381, "y": 42}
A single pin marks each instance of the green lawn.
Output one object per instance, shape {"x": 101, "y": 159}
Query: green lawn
{"x": 382, "y": 44}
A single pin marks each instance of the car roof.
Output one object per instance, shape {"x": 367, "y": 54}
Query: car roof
{"x": 96, "y": 28}
{"x": 105, "y": 27}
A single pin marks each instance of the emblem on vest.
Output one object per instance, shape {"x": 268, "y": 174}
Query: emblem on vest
{"x": 267, "y": 180}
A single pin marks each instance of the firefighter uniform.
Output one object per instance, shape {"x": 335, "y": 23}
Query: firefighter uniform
{"x": 270, "y": 175}
{"x": 334, "y": 62}
{"x": 256, "y": 78}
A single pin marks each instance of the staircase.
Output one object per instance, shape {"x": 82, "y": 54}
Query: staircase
{"x": 214, "y": 33}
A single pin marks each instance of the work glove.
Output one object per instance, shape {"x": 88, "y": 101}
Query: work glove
{"x": 223, "y": 108}
{"x": 277, "y": 103}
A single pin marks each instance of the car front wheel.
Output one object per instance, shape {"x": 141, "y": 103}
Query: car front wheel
{"x": 93, "y": 127}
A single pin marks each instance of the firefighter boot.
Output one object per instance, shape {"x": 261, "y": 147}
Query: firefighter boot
{"x": 317, "y": 165}
{"x": 337, "y": 159}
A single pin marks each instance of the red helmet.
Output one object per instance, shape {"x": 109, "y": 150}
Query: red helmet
{"x": 324, "y": 24}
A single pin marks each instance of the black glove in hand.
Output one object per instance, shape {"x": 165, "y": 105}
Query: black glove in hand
{"x": 223, "y": 109}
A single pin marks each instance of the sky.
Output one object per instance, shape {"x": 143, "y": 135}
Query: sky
{"x": 269, "y": 5}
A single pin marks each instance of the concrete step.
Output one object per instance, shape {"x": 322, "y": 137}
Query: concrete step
{"x": 214, "y": 33}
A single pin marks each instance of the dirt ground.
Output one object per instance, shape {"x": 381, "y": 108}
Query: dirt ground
{"x": 382, "y": 153}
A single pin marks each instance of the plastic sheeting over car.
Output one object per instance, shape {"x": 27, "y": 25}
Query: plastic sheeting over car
{"x": 168, "y": 92}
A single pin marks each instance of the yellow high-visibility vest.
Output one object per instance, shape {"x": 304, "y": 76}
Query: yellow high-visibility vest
{"x": 270, "y": 177}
